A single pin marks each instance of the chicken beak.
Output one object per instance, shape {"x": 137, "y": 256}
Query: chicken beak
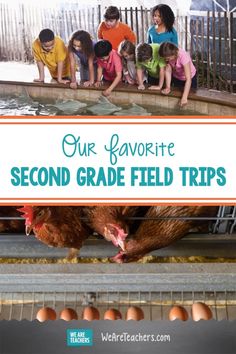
{"x": 116, "y": 236}
{"x": 121, "y": 243}
{"x": 28, "y": 230}
{"x": 105, "y": 233}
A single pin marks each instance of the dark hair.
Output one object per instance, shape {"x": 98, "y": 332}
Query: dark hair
{"x": 85, "y": 40}
{"x": 102, "y": 48}
{"x": 167, "y": 15}
{"x": 46, "y": 35}
{"x": 167, "y": 49}
{"x": 143, "y": 52}
{"x": 112, "y": 13}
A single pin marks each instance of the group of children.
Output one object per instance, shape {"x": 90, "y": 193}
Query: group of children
{"x": 115, "y": 56}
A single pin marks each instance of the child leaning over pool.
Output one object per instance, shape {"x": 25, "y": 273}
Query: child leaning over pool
{"x": 126, "y": 50}
{"x": 109, "y": 66}
{"x": 149, "y": 60}
{"x": 179, "y": 69}
{"x": 82, "y": 46}
{"x": 50, "y": 50}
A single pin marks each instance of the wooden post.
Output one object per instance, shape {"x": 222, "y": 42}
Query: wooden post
{"x": 214, "y": 49}
{"x": 192, "y": 36}
{"x": 186, "y": 33}
{"x": 146, "y": 20}
{"x": 126, "y": 15}
{"x": 208, "y": 50}
{"x": 93, "y": 23}
{"x": 120, "y": 11}
{"x": 197, "y": 44}
{"x": 4, "y": 36}
{"x": 80, "y": 22}
{"x": 226, "y": 49}
{"x": 202, "y": 51}
{"x": 137, "y": 27}
{"x": 220, "y": 49}
{"x": 142, "y": 25}
{"x": 99, "y": 14}
{"x": 231, "y": 41}
{"x": 131, "y": 19}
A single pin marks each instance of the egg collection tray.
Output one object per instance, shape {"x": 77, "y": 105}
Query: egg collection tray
{"x": 155, "y": 305}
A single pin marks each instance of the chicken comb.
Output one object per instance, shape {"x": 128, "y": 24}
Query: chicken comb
{"x": 27, "y": 212}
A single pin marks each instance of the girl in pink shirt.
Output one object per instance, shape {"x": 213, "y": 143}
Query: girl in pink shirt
{"x": 179, "y": 69}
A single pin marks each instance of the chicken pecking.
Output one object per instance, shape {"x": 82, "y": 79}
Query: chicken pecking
{"x": 112, "y": 222}
{"x": 154, "y": 234}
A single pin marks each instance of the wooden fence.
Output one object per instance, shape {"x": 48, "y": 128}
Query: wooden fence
{"x": 209, "y": 36}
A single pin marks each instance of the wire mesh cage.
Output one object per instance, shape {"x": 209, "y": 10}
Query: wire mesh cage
{"x": 155, "y": 305}
{"x": 223, "y": 222}
{"x": 220, "y": 228}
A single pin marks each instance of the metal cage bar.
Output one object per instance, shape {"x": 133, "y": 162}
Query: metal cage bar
{"x": 155, "y": 305}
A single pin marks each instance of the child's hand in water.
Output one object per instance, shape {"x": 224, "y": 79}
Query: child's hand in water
{"x": 183, "y": 102}
{"x": 73, "y": 85}
{"x": 88, "y": 83}
{"x": 141, "y": 87}
{"x": 106, "y": 93}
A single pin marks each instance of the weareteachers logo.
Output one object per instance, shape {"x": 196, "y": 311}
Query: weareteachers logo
{"x": 79, "y": 337}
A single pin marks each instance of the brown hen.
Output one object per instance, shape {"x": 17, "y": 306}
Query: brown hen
{"x": 154, "y": 234}
{"x": 57, "y": 226}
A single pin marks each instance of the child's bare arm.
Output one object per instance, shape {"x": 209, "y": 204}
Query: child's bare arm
{"x": 162, "y": 77}
{"x": 187, "y": 86}
{"x": 161, "y": 80}
{"x": 91, "y": 72}
{"x": 98, "y": 83}
{"x": 40, "y": 66}
{"x": 140, "y": 79}
{"x": 115, "y": 82}
{"x": 73, "y": 83}
{"x": 59, "y": 73}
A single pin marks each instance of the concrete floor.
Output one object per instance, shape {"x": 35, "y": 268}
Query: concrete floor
{"x": 14, "y": 71}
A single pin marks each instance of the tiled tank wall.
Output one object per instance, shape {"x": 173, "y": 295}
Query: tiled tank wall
{"x": 145, "y": 98}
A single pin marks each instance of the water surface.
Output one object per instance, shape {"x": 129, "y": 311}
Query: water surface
{"x": 24, "y": 105}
